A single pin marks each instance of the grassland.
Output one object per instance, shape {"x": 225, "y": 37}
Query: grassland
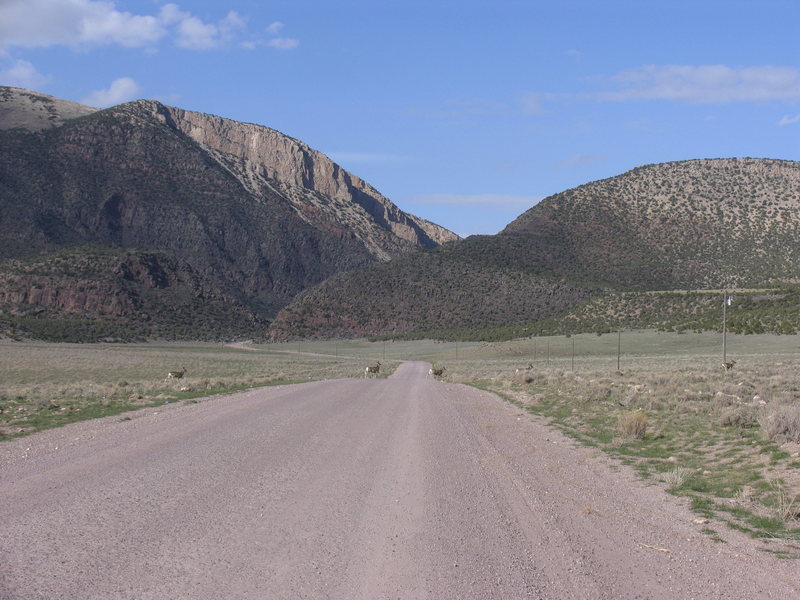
{"x": 729, "y": 441}
{"x": 45, "y": 385}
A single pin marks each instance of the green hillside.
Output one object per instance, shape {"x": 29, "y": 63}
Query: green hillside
{"x": 706, "y": 224}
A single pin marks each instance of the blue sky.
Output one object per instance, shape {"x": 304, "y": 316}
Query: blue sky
{"x": 464, "y": 112}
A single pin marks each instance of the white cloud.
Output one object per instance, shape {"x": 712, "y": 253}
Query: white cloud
{"x": 171, "y": 14}
{"x": 232, "y": 22}
{"x": 277, "y": 41}
{"x": 22, "y": 74}
{"x": 281, "y": 43}
{"x": 275, "y": 28}
{"x": 42, "y": 23}
{"x": 705, "y": 84}
{"x": 487, "y": 200}
{"x": 121, "y": 90}
{"x": 787, "y": 120}
{"x": 193, "y": 34}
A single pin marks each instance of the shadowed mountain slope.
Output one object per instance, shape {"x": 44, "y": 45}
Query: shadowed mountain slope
{"x": 693, "y": 224}
{"x": 253, "y": 214}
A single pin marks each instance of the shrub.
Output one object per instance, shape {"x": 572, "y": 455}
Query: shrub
{"x": 782, "y": 423}
{"x": 632, "y": 425}
{"x": 676, "y": 477}
{"x": 739, "y": 416}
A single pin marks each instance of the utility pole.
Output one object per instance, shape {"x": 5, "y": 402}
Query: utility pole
{"x": 573, "y": 355}
{"x": 726, "y": 302}
{"x": 619, "y": 346}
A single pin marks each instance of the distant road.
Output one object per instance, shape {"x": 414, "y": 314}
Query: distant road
{"x": 350, "y": 489}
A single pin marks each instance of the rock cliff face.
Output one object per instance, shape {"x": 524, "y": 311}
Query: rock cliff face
{"x": 253, "y": 213}
{"x": 322, "y": 193}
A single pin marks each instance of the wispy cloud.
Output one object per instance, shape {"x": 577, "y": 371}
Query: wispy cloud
{"x": 709, "y": 84}
{"x": 579, "y": 160}
{"x": 276, "y": 40}
{"x": 275, "y": 28}
{"x": 121, "y": 90}
{"x": 533, "y": 103}
{"x": 22, "y": 74}
{"x": 484, "y": 200}
{"x": 82, "y": 23}
{"x": 787, "y": 120}
{"x": 282, "y": 43}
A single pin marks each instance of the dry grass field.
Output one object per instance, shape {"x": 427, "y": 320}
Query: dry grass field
{"x": 727, "y": 440}
{"x": 45, "y": 385}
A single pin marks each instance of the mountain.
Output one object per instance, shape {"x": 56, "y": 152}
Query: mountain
{"x": 250, "y": 215}
{"x": 681, "y": 225}
{"x": 32, "y": 111}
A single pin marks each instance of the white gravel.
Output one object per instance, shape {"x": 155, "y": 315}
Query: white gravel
{"x": 351, "y": 489}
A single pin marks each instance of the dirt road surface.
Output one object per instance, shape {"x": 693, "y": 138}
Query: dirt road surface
{"x": 350, "y": 489}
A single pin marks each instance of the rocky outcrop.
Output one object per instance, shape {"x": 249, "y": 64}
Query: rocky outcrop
{"x": 120, "y": 295}
{"x": 247, "y": 211}
{"x": 323, "y": 194}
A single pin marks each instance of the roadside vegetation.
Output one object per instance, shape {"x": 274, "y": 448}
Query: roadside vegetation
{"x": 728, "y": 441}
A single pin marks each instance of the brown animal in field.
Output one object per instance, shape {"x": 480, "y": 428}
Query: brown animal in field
{"x": 176, "y": 374}
{"x": 729, "y": 365}
{"x": 436, "y": 372}
{"x": 528, "y": 368}
{"x": 375, "y": 369}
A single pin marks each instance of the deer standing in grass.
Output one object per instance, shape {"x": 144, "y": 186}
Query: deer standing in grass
{"x": 729, "y": 365}
{"x": 176, "y": 374}
{"x": 436, "y": 372}
{"x": 376, "y": 368}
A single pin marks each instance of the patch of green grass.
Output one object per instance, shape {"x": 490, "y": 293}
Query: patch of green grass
{"x": 713, "y": 534}
{"x": 680, "y": 407}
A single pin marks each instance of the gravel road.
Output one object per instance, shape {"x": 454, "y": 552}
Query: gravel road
{"x": 350, "y": 489}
